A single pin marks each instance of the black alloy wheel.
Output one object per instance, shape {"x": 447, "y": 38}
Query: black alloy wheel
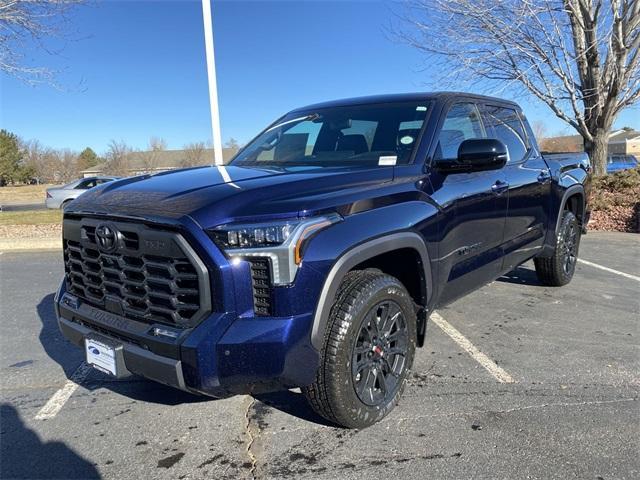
{"x": 368, "y": 350}
{"x": 380, "y": 352}
{"x": 558, "y": 268}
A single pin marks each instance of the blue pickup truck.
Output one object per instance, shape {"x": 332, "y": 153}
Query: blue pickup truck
{"x": 315, "y": 257}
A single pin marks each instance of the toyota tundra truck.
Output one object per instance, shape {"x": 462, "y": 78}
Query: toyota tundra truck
{"x": 315, "y": 257}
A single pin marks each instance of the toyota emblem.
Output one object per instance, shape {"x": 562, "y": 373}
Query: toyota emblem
{"x": 107, "y": 237}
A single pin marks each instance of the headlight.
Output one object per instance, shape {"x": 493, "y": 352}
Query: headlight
{"x": 251, "y": 236}
{"x": 281, "y": 241}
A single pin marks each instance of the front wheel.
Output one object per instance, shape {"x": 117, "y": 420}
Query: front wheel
{"x": 558, "y": 269}
{"x": 368, "y": 351}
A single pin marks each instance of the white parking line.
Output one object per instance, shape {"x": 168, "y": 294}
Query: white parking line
{"x": 610, "y": 270}
{"x": 57, "y": 401}
{"x": 488, "y": 364}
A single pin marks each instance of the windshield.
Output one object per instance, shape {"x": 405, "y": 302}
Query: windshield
{"x": 360, "y": 135}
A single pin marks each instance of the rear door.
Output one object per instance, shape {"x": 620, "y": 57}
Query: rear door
{"x": 473, "y": 206}
{"x": 529, "y": 183}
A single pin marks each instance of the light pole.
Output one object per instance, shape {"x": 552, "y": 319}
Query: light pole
{"x": 213, "y": 85}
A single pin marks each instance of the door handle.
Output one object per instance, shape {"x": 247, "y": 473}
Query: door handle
{"x": 544, "y": 176}
{"x": 499, "y": 187}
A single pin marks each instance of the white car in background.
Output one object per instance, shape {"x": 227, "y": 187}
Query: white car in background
{"x": 58, "y": 197}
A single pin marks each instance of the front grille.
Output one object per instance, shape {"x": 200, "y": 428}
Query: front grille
{"x": 261, "y": 283}
{"x": 152, "y": 275}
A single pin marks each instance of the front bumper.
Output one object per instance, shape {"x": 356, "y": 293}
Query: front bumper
{"x": 132, "y": 358}
{"x": 53, "y": 203}
{"x": 221, "y": 356}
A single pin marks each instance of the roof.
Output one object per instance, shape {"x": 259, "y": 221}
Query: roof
{"x": 624, "y": 135}
{"x": 164, "y": 159}
{"x": 400, "y": 97}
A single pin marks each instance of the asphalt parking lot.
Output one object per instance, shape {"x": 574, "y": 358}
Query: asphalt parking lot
{"x": 568, "y": 408}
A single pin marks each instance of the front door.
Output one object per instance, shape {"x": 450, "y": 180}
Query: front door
{"x": 473, "y": 210}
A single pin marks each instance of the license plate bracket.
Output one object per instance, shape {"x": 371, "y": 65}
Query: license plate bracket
{"x": 105, "y": 355}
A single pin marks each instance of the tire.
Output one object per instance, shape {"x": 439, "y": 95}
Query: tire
{"x": 356, "y": 384}
{"x": 558, "y": 269}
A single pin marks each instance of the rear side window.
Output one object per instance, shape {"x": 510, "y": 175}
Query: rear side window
{"x": 86, "y": 184}
{"x": 461, "y": 123}
{"x": 508, "y": 128}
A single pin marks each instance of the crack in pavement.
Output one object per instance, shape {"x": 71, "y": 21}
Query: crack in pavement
{"x": 252, "y": 431}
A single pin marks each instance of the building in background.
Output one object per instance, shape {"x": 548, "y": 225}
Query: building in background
{"x": 621, "y": 142}
{"x": 624, "y": 142}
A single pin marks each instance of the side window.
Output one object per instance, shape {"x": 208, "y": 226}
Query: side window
{"x": 508, "y": 129}
{"x": 85, "y": 184}
{"x": 461, "y": 123}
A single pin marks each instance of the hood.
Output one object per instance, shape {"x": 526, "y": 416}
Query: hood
{"x": 215, "y": 195}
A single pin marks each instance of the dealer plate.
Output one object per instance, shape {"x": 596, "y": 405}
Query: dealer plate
{"x": 100, "y": 356}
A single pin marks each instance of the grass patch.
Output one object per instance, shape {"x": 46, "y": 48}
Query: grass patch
{"x": 31, "y": 217}
{"x": 17, "y": 194}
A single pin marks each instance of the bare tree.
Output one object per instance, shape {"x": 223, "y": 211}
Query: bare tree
{"x": 117, "y": 158}
{"x": 539, "y": 130}
{"x": 580, "y": 57}
{"x": 194, "y": 154}
{"x": 48, "y": 165}
{"x": 38, "y": 159}
{"x": 561, "y": 143}
{"x": 67, "y": 165}
{"x": 151, "y": 157}
{"x": 232, "y": 144}
{"x": 27, "y": 22}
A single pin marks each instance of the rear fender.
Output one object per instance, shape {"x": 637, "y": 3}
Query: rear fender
{"x": 559, "y": 207}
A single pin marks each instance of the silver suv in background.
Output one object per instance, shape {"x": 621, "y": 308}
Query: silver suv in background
{"x": 58, "y": 197}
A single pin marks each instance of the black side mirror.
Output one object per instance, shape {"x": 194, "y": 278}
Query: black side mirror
{"x": 476, "y": 155}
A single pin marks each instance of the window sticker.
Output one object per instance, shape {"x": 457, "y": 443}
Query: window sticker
{"x": 387, "y": 160}
{"x": 421, "y": 108}
{"x": 406, "y": 140}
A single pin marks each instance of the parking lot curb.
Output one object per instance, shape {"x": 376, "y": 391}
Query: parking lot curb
{"x": 26, "y": 244}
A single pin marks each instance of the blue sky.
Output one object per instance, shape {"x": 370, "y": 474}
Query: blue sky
{"x": 133, "y": 70}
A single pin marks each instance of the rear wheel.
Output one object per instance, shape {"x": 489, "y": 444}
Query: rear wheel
{"x": 558, "y": 269}
{"x": 368, "y": 351}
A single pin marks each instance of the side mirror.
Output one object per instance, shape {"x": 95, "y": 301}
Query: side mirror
{"x": 476, "y": 155}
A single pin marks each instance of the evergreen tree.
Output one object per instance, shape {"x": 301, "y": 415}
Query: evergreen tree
{"x": 10, "y": 157}
{"x": 87, "y": 159}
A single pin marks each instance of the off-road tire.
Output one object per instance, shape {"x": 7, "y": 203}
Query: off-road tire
{"x": 557, "y": 270}
{"x": 333, "y": 393}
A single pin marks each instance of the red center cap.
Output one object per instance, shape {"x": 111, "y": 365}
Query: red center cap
{"x": 378, "y": 350}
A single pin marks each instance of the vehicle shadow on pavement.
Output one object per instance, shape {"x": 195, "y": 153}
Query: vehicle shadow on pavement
{"x": 521, "y": 276}
{"x": 24, "y": 455}
{"x": 54, "y": 344}
{"x": 294, "y": 404}
{"x": 69, "y": 357}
